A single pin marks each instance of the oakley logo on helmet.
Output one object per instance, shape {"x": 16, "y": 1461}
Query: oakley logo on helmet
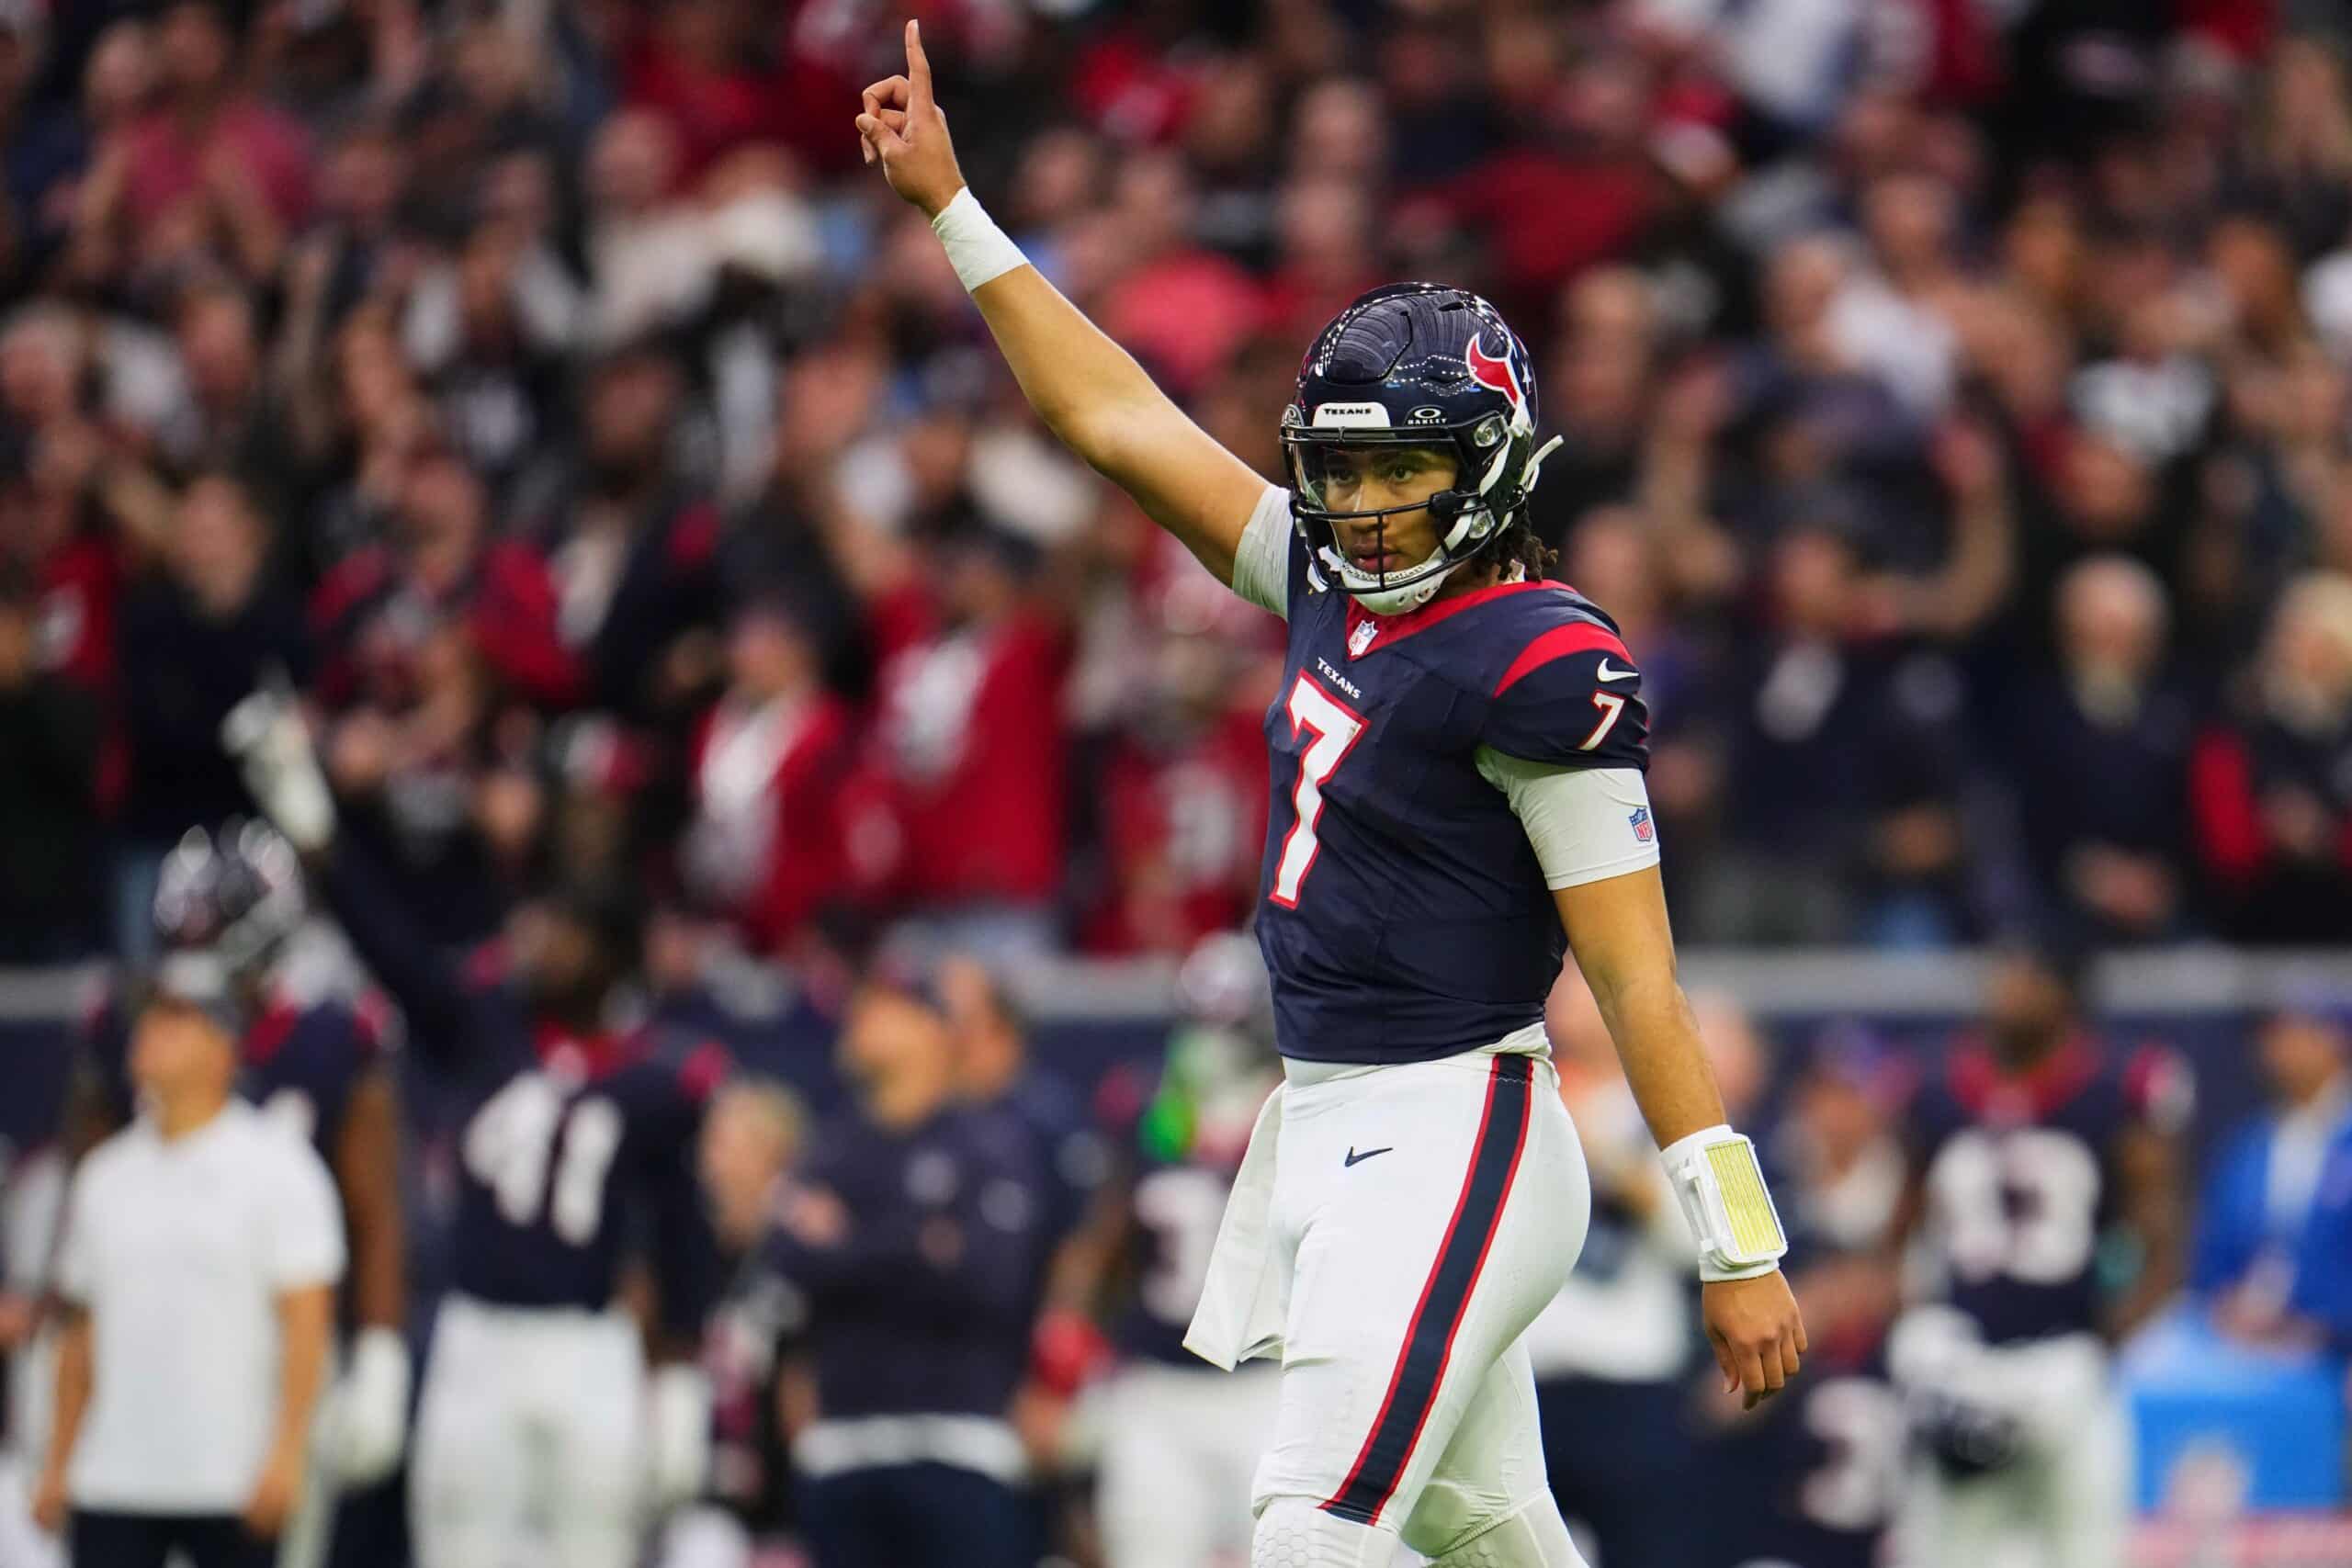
{"x": 1428, "y": 413}
{"x": 1494, "y": 375}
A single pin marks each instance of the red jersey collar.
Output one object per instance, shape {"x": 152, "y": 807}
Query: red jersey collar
{"x": 586, "y": 1056}
{"x": 270, "y": 1029}
{"x": 1387, "y": 629}
{"x": 1987, "y": 1090}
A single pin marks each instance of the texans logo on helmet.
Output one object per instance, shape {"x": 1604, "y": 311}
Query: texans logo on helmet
{"x": 1494, "y": 375}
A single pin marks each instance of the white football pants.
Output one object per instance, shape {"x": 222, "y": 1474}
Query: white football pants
{"x": 1420, "y": 1216}
{"x": 2064, "y": 1502}
{"x": 530, "y": 1441}
{"x": 1177, "y": 1451}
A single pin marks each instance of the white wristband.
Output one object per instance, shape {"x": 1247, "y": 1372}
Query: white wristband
{"x": 976, "y": 248}
{"x": 1721, "y": 1190}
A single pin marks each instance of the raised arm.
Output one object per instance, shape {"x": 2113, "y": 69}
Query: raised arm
{"x": 267, "y": 735}
{"x": 1088, "y": 390}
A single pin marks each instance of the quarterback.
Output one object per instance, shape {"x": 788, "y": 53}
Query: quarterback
{"x": 1457, "y": 761}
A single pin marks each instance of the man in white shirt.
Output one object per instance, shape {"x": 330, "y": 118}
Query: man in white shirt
{"x": 202, "y": 1251}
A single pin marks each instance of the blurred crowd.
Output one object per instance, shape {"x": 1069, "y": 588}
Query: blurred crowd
{"x": 1955, "y": 397}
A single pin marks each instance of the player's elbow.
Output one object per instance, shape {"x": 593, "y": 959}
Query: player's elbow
{"x": 1629, "y": 982}
{"x": 1112, "y": 432}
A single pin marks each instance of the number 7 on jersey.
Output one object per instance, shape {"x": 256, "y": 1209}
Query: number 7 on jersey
{"x": 1337, "y": 727}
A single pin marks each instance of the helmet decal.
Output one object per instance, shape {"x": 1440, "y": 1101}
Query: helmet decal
{"x": 1495, "y": 373}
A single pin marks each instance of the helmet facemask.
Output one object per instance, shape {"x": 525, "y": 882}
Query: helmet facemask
{"x": 1470, "y": 511}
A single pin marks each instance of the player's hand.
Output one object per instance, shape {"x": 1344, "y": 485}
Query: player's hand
{"x": 368, "y": 1408}
{"x": 815, "y": 1217}
{"x": 49, "y": 1499}
{"x": 1757, "y": 1332}
{"x": 267, "y": 736}
{"x": 905, "y": 131}
{"x": 271, "y": 1501}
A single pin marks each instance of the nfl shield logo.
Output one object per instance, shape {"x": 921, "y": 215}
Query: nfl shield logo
{"x": 1360, "y": 638}
{"x": 1641, "y": 821}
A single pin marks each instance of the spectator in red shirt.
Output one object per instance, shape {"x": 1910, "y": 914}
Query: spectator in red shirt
{"x": 768, "y": 764}
{"x": 2272, "y": 791}
{"x": 1183, "y": 310}
{"x": 1182, "y": 792}
{"x": 1324, "y": 256}
{"x": 960, "y": 818}
{"x": 48, "y": 527}
{"x": 209, "y": 163}
{"x": 375, "y": 612}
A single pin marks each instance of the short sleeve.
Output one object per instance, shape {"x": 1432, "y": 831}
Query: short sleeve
{"x": 1585, "y": 823}
{"x": 1572, "y": 697}
{"x": 75, "y": 1264}
{"x": 305, "y": 1222}
{"x": 1261, "y": 566}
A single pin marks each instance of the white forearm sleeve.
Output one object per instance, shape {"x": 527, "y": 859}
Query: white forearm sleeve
{"x": 1261, "y": 566}
{"x": 1580, "y": 821}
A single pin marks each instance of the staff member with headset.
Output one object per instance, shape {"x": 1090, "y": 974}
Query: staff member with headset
{"x": 202, "y": 1251}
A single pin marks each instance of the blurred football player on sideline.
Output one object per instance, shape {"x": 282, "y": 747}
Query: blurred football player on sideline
{"x": 996, "y": 1074}
{"x": 1815, "y": 1479}
{"x": 1180, "y": 1438}
{"x": 1459, "y": 800}
{"x": 312, "y": 1061}
{"x": 582, "y": 1134}
{"x": 914, "y": 1240}
{"x": 2047, "y": 1215}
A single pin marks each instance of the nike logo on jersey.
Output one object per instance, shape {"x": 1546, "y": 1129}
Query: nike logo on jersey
{"x": 1606, "y": 673}
{"x": 1354, "y": 1158}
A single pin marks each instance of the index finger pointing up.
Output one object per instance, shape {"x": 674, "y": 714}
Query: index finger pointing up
{"x": 918, "y": 65}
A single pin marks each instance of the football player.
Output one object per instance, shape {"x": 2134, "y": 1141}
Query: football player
{"x": 1457, "y": 754}
{"x": 1180, "y": 1437}
{"x": 580, "y": 1137}
{"x": 2046, "y": 1220}
{"x": 314, "y": 1061}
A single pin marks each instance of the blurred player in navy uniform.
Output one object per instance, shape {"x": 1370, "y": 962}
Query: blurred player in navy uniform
{"x": 1457, "y": 759}
{"x": 314, "y": 1061}
{"x": 1813, "y": 1481}
{"x": 996, "y": 1074}
{"x": 539, "y": 1436}
{"x": 2046, "y": 1217}
{"x": 1180, "y": 1437}
{"x": 911, "y": 1241}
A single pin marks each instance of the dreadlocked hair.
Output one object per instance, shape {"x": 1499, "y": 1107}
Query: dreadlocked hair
{"x": 1517, "y": 545}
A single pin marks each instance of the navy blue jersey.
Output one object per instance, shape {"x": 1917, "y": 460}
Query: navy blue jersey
{"x": 577, "y": 1152}
{"x": 924, "y": 1304}
{"x": 301, "y": 1061}
{"x": 1173, "y": 1207}
{"x": 1069, "y": 1151}
{"x": 2018, "y": 1178}
{"x": 1404, "y": 916}
{"x": 1810, "y": 1480}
